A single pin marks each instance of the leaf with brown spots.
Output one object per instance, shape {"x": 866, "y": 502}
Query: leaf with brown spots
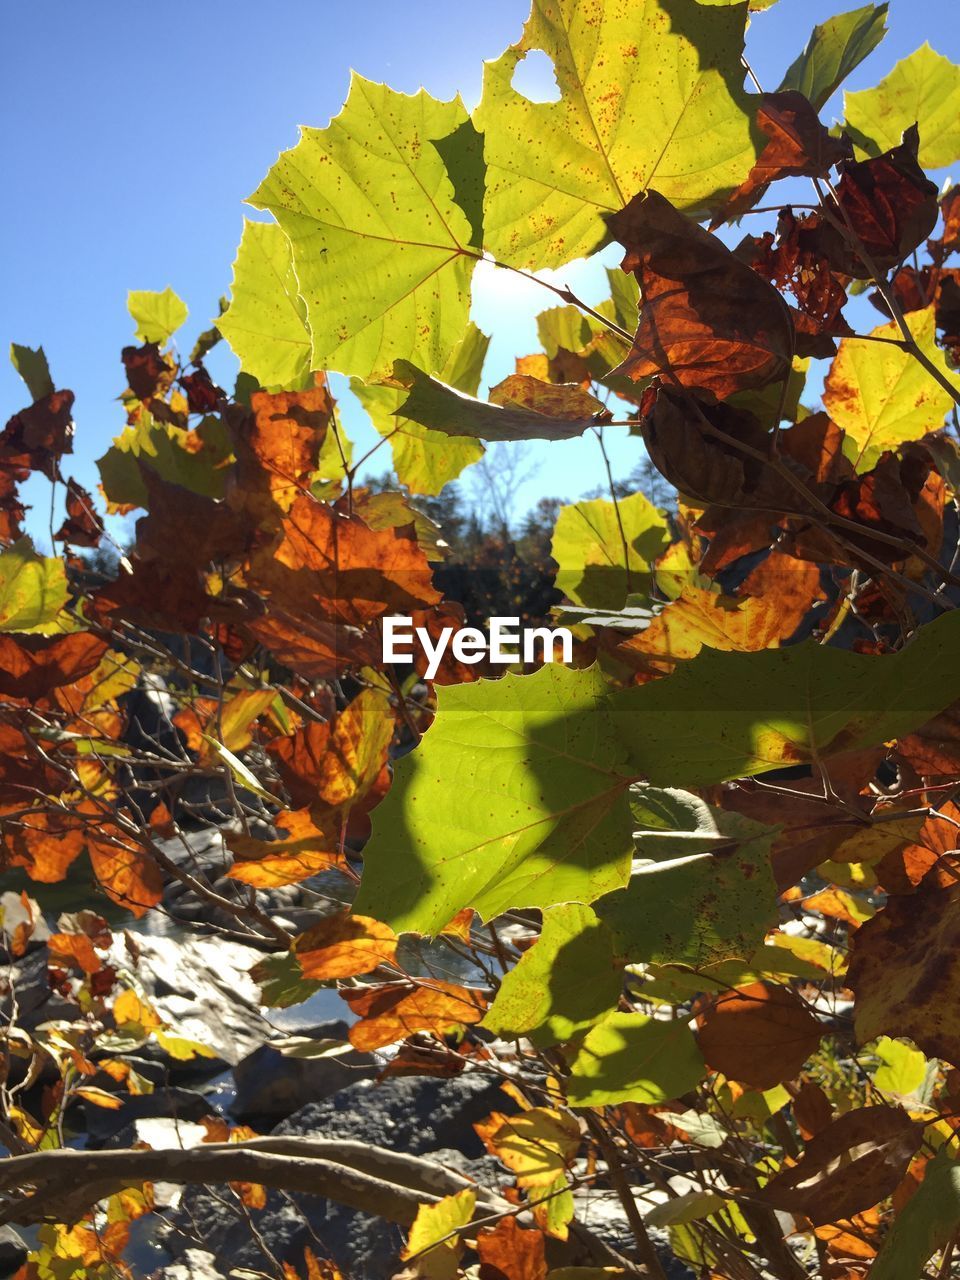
{"x": 390, "y": 1013}
{"x": 707, "y": 322}
{"x": 855, "y": 1162}
{"x": 344, "y": 946}
{"x": 760, "y": 1035}
{"x": 905, "y": 967}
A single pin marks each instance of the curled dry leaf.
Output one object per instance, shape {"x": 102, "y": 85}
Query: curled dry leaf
{"x": 82, "y": 527}
{"x": 760, "y": 1035}
{"x": 708, "y": 322}
{"x": 798, "y": 145}
{"x": 849, "y": 1166}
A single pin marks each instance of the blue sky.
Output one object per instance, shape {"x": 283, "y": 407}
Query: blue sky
{"x": 132, "y": 133}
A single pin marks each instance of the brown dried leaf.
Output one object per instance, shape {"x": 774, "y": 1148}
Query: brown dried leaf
{"x": 708, "y": 322}
{"x": 759, "y": 1035}
{"x": 855, "y": 1162}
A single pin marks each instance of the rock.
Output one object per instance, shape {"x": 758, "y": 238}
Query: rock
{"x": 413, "y": 1114}
{"x": 197, "y": 1265}
{"x": 26, "y": 981}
{"x": 105, "y": 1125}
{"x": 274, "y": 1085}
{"x": 13, "y": 1251}
{"x": 202, "y": 987}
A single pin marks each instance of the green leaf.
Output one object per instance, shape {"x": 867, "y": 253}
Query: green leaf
{"x": 924, "y": 1225}
{"x": 157, "y": 314}
{"x": 730, "y": 715}
{"x": 562, "y": 984}
{"x": 881, "y": 395}
{"x": 648, "y": 99}
{"x": 241, "y": 772}
{"x": 33, "y": 589}
{"x": 442, "y": 408}
{"x": 426, "y": 460}
{"x": 33, "y": 368}
{"x": 632, "y": 1058}
{"x": 923, "y": 90}
{"x": 702, "y": 890}
{"x": 165, "y": 449}
{"x": 515, "y": 797}
{"x": 281, "y": 981}
{"x": 596, "y": 569}
{"x": 266, "y": 321}
{"x": 902, "y": 1068}
{"x": 380, "y": 244}
{"x": 834, "y": 49}
{"x": 691, "y": 1206}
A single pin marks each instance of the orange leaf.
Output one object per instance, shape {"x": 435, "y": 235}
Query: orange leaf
{"x": 343, "y": 946}
{"x": 337, "y": 764}
{"x": 391, "y": 1013}
{"x": 302, "y": 851}
{"x": 127, "y": 873}
{"x": 511, "y": 1252}
{"x": 760, "y": 1035}
{"x": 75, "y": 949}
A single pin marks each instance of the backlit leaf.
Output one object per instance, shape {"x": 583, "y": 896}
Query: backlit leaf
{"x": 343, "y": 946}
{"x": 644, "y": 102}
{"x": 596, "y": 569}
{"x": 426, "y": 460}
{"x": 436, "y": 1257}
{"x": 266, "y": 321}
{"x": 835, "y": 48}
{"x": 157, "y": 314}
{"x": 882, "y": 396}
{"x": 515, "y": 797}
{"x": 701, "y": 890}
{"x": 562, "y": 984}
{"x": 33, "y": 589}
{"x": 922, "y": 90}
{"x": 536, "y": 1145}
{"x": 380, "y": 245}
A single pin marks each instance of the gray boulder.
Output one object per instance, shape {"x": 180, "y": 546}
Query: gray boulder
{"x": 273, "y": 1085}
